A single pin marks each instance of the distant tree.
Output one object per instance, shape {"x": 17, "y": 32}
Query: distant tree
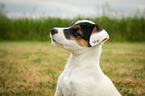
{"x": 3, "y": 11}
{"x": 4, "y": 22}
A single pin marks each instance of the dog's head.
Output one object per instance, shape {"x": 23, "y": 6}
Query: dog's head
{"x": 79, "y": 35}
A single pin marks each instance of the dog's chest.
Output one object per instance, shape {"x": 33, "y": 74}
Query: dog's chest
{"x": 76, "y": 82}
{"x": 67, "y": 84}
{"x": 85, "y": 82}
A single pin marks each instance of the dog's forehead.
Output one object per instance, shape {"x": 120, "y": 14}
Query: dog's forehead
{"x": 81, "y": 22}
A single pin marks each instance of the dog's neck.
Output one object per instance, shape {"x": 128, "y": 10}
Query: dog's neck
{"x": 87, "y": 59}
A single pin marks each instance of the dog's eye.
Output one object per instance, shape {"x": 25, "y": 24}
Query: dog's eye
{"x": 76, "y": 32}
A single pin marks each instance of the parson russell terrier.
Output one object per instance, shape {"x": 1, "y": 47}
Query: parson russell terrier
{"x": 82, "y": 75}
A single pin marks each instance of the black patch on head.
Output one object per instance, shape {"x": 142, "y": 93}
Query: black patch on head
{"x": 83, "y": 30}
{"x": 86, "y": 29}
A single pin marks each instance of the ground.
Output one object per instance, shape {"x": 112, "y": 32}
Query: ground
{"x": 32, "y": 68}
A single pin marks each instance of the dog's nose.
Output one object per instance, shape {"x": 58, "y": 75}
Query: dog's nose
{"x": 53, "y": 31}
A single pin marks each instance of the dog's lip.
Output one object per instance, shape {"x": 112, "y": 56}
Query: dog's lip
{"x": 59, "y": 44}
{"x": 56, "y": 41}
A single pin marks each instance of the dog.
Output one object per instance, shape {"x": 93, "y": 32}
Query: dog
{"x": 82, "y": 75}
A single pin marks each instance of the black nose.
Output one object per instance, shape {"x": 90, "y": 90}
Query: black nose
{"x": 53, "y": 31}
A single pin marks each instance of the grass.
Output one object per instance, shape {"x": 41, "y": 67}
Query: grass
{"x": 32, "y": 68}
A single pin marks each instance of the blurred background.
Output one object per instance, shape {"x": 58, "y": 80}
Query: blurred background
{"x": 33, "y": 20}
{"x": 30, "y": 64}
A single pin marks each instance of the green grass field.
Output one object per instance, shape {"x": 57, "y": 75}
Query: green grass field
{"x": 32, "y": 68}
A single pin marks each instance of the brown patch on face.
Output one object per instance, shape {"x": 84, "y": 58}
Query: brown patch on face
{"x": 77, "y": 27}
{"x": 80, "y": 41}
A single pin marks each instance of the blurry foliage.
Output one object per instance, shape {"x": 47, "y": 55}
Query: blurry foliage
{"x": 4, "y": 22}
{"x": 123, "y": 29}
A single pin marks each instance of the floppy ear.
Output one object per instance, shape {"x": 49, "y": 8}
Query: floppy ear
{"x": 98, "y": 37}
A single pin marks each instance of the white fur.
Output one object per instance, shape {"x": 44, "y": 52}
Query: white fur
{"x": 82, "y": 75}
{"x": 80, "y": 21}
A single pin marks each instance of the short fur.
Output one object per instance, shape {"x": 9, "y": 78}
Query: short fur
{"x": 82, "y": 75}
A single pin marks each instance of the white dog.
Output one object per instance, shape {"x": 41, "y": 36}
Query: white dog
{"x": 82, "y": 75}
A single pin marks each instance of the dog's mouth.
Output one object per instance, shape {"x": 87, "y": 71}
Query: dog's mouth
{"x": 56, "y": 42}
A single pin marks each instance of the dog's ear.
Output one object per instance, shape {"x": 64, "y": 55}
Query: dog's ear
{"x": 98, "y": 35}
